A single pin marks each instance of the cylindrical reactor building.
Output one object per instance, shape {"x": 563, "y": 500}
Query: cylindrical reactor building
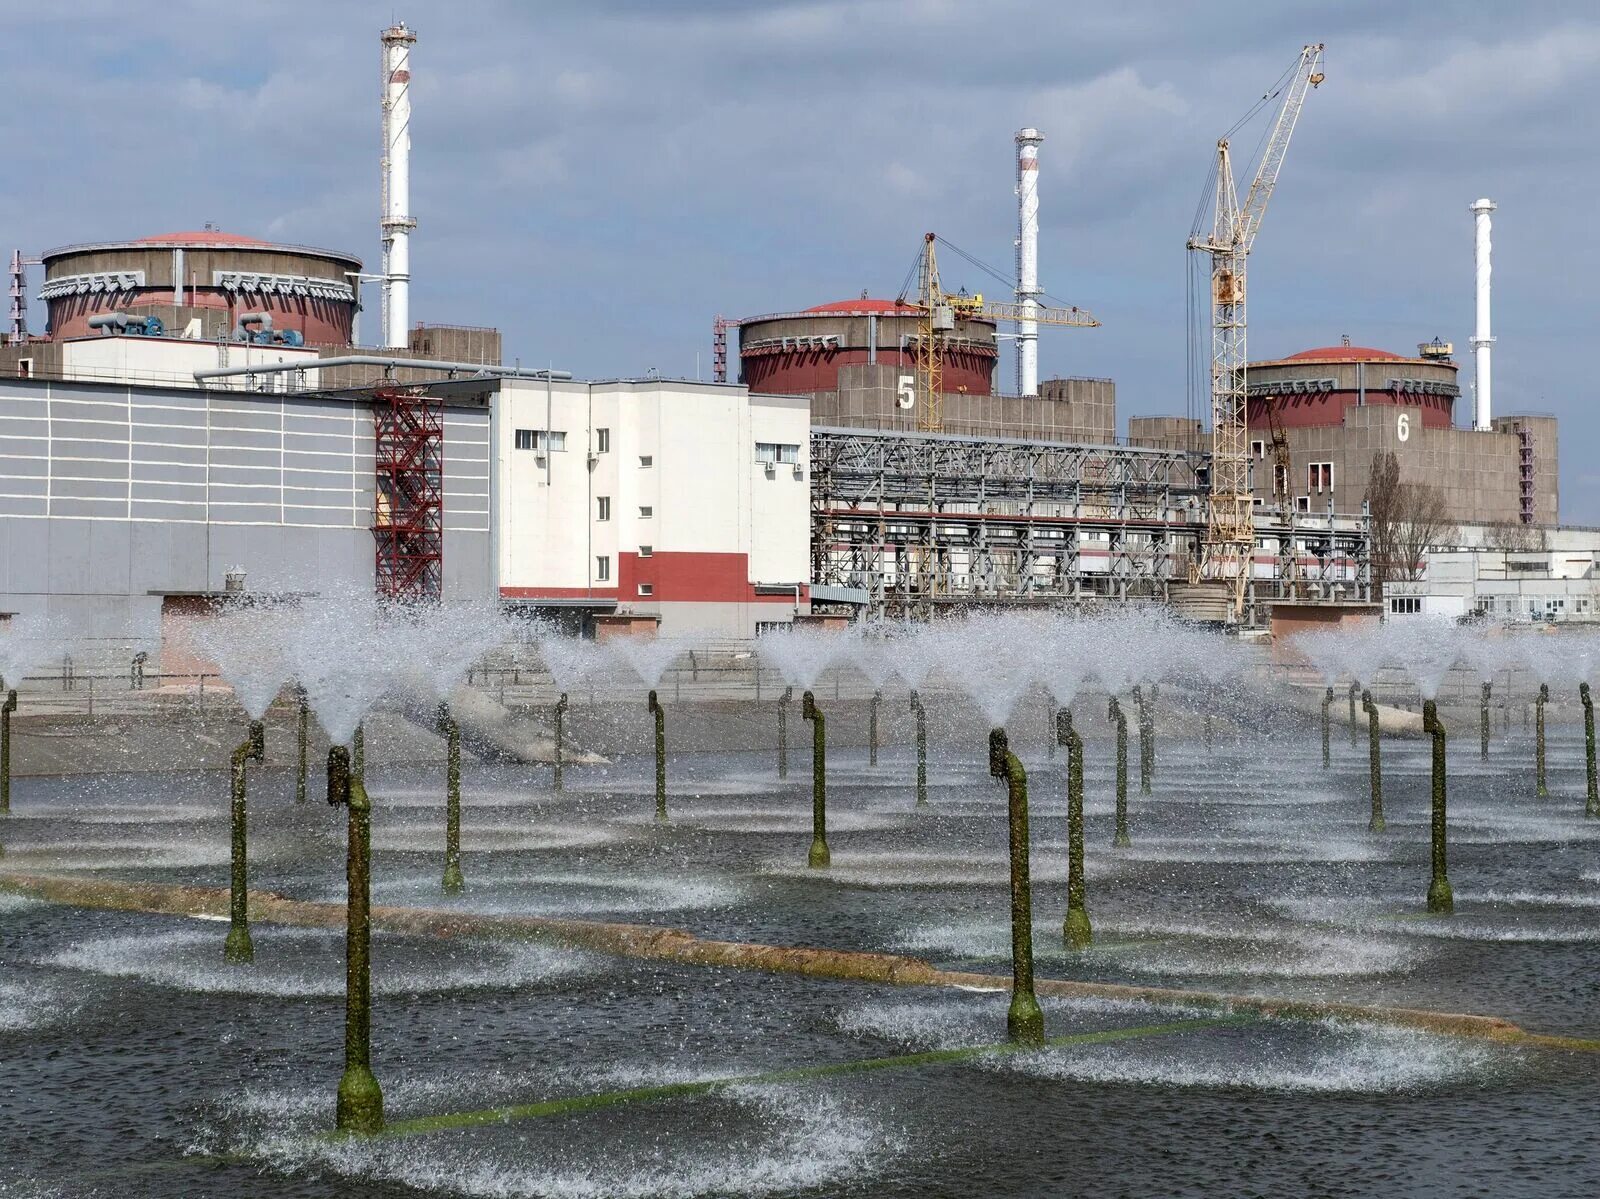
{"x": 796, "y": 353}
{"x": 209, "y": 276}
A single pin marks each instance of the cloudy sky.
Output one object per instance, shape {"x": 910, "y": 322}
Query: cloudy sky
{"x": 600, "y": 178}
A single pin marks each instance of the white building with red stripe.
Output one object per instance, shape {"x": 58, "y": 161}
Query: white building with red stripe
{"x": 683, "y": 501}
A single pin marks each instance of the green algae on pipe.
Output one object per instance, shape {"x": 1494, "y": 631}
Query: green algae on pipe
{"x": 1377, "y": 823}
{"x": 238, "y": 949}
{"x": 1024, "y": 1017}
{"x": 819, "y": 857}
{"x": 302, "y": 736}
{"x": 1538, "y": 738}
{"x": 560, "y": 714}
{"x": 1483, "y": 723}
{"x": 922, "y": 748}
{"x": 872, "y": 728}
{"x": 783, "y": 732}
{"x": 1327, "y": 705}
{"x": 1592, "y": 803}
{"x": 6, "y": 709}
{"x": 451, "y": 731}
{"x": 1441, "y": 900}
{"x": 359, "y": 1106}
{"x": 358, "y": 753}
{"x": 1075, "y": 929}
{"x": 661, "y": 755}
{"x": 1121, "y": 840}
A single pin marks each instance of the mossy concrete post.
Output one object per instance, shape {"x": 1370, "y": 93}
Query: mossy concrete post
{"x": 819, "y": 856}
{"x": 1592, "y": 803}
{"x": 360, "y": 1100}
{"x": 302, "y": 738}
{"x": 1024, "y": 1018}
{"x": 1121, "y": 840}
{"x": 451, "y": 732}
{"x": 238, "y": 949}
{"x": 872, "y": 728}
{"x": 560, "y": 721}
{"x": 1441, "y": 900}
{"x": 783, "y": 732}
{"x": 6, "y": 709}
{"x": 1374, "y": 762}
{"x": 1327, "y": 721}
{"x": 922, "y": 749}
{"x": 660, "y": 715}
{"x": 1075, "y": 929}
{"x": 1483, "y": 723}
{"x": 1356, "y": 692}
{"x": 1538, "y": 738}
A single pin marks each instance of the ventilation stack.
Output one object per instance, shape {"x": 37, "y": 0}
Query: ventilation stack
{"x": 1028, "y": 258}
{"x": 1482, "y": 339}
{"x": 396, "y": 223}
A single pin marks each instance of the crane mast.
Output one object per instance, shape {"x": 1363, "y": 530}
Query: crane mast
{"x": 1230, "y": 530}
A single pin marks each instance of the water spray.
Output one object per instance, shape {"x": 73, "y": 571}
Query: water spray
{"x": 360, "y": 1101}
{"x": 560, "y": 714}
{"x": 1075, "y": 929}
{"x": 1592, "y": 804}
{"x": 1121, "y": 840}
{"x": 1374, "y": 762}
{"x": 1538, "y": 738}
{"x": 1356, "y": 692}
{"x": 451, "y": 732}
{"x": 872, "y": 728}
{"x": 1483, "y": 723}
{"x": 1024, "y": 1018}
{"x": 1441, "y": 900}
{"x": 1327, "y": 707}
{"x": 783, "y": 732}
{"x": 302, "y": 736}
{"x": 819, "y": 857}
{"x": 1147, "y": 736}
{"x": 922, "y": 748}
{"x": 358, "y": 752}
{"x": 238, "y": 948}
{"x": 6, "y": 709}
{"x": 660, "y": 715}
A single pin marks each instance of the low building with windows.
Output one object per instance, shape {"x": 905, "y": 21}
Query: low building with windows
{"x": 1542, "y": 586}
{"x": 682, "y": 501}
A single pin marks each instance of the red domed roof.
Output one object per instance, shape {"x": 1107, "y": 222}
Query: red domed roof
{"x": 875, "y": 307}
{"x": 201, "y": 237}
{"x": 1343, "y": 354}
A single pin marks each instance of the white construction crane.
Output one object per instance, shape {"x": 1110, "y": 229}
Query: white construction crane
{"x": 1230, "y": 532}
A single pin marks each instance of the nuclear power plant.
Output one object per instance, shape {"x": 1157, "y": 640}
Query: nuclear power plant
{"x": 201, "y": 411}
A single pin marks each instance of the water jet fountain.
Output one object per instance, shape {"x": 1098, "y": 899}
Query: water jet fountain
{"x": 783, "y": 732}
{"x": 1441, "y": 900}
{"x": 1114, "y": 711}
{"x": 661, "y": 754}
{"x": 1024, "y": 1017}
{"x": 24, "y": 644}
{"x": 1538, "y": 739}
{"x": 872, "y": 728}
{"x": 649, "y": 657}
{"x": 1592, "y": 792}
{"x": 1075, "y": 929}
{"x": 921, "y": 715}
{"x": 819, "y": 857}
{"x": 1374, "y": 762}
{"x": 1147, "y": 735}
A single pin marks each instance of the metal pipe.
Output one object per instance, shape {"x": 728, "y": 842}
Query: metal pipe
{"x": 451, "y": 731}
{"x": 560, "y": 720}
{"x": 1028, "y": 141}
{"x": 360, "y": 1099}
{"x": 6, "y": 709}
{"x": 922, "y": 749}
{"x": 238, "y": 949}
{"x": 1024, "y": 1017}
{"x": 1374, "y": 762}
{"x": 317, "y": 364}
{"x": 1483, "y": 724}
{"x": 1075, "y": 929}
{"x": 660, "y": 715}
{"x": 240, "y": 333}
{"x": 819, "y": 856}
{"x": 110, "y": 320}
{"x": 1482, "y": 339}
{"x": 1592, "y": 805}
{"x": 1121, "y": 840}
{"x": 1538, "y": 738}
{"x": 1441, "y": 900}
{"x": 872, "y": 728}
{"x": 783, "y": 732}
{"x": 396, "y": 222}
{"x": 301, "y": 737}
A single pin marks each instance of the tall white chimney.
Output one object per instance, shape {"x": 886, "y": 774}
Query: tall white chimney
{"x": 1482, "y": 340}
{"x": 396, "y": 221}
{"x": 1028, "y": 258}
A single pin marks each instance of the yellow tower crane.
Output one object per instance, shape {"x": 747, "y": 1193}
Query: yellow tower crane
{"x": 1230, "y": 529}
{"x": 939, "y": 310}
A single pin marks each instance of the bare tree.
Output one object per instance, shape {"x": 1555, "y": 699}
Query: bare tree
{"x": 1512, "y": 536}
{"x": 1408, "y": 519}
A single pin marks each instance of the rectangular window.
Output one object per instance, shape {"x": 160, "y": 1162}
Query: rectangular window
{"x": 647, "y": 551}
{"x": 647, "y": 589}
{"x": 1319, "y": 476}
{"x": 602, "y": 568}
{"x": 646, "y": 461}
{"x": 539, "y": 439}
{"x": 778, "y": 452}
{"x": 1280, "y": 480}
{"x": 1406, "y": 605}
{"x": 646, "y": 511}
{"x": 602, "y": 441}
{"x": 602, "y": 507}
{"x": 1258, "y": 449}
{"x": 1302, "y": 503}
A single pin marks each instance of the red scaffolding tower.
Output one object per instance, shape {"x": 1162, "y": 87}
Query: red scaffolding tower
{"x": 408, "y": 516}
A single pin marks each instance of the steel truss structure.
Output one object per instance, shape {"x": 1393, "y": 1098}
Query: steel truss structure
{"x": 922, "y": 521}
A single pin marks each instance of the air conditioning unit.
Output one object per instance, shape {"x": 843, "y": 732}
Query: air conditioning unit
{"x": 771, "y": 469}
{"x": 799, "y": 471}
{"x": 539, "y": 458}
